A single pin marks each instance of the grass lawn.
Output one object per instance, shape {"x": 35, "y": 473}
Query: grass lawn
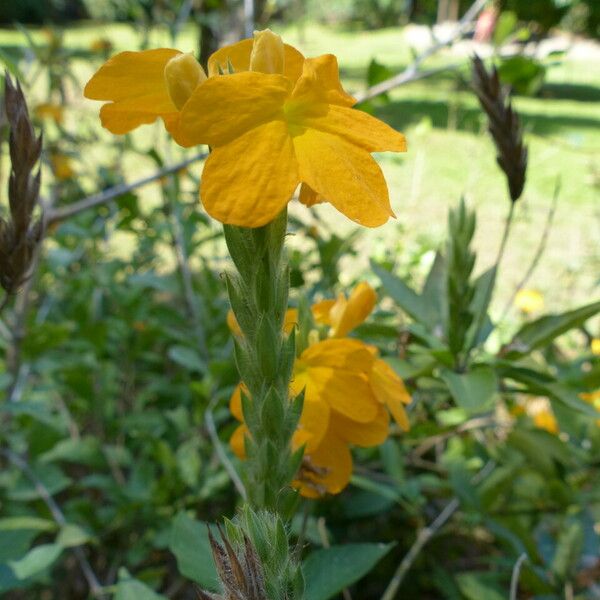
{"x": 449, "y": 155}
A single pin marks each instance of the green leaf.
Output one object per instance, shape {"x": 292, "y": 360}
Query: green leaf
{"x": 188, "y": 358}
{"x": 542, "y": 331}
{"x": 406, "y": 298}
{"x": 25, "y": 522}
{"x": 189, "y": 543}
{"x": 188, "y": 461}
{"x": 505, "y": 26}
{"x": 544, "y": 385}
{"x": 473, "y": 391}
{"x": 328, "y": 571}
{"x": 72, "y": 535}
{"x": 36, "y": 561}
{"x": 568, "y": 550}
{"x": 434, "y": 293}
{"x": 476, "y": 587}
{"x": 129, "y": 588}
{"x": 482, "y": 325}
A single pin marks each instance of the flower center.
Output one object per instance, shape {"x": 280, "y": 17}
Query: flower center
{"x": 183, "y": 74}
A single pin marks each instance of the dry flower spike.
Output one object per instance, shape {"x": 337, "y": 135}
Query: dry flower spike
{"x": 19, "y": 235}
{"x": 504, "y": 126}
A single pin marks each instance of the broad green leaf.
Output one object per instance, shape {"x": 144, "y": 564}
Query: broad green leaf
{"x": 434, "y": 294}
{"x": 542, "y": 331}
{"x": 482, "y": 325}
{"x": 329, "y": 570}
{"x": 84, "y": 451}
{"x": 72, "y": 535}
{"x": 25, "y": 522}
{"x": 505, "y": 26}
{"x": 188, "y": 461}
{"x": 187, "y": 358}
{"x": 129, "y": 588}
{"x": 189, "y": 543}
{"x": 568, "y": 550}
{"x": 473, "y": 391}
{"x": 476, "y": 587}
{"x": 544, "y": 385}
{"x": 36, "y": 561}
{"x": 406, "y": 298}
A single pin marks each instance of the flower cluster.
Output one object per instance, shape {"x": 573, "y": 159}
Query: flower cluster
{"x": 349, "y": 393}
{"x": 272, "y": 118}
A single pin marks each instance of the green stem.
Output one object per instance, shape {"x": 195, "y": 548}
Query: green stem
{"x": 265, "y": 359}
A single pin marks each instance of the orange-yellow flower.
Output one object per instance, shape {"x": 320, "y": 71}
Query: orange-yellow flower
{"x": 529, "y": 301}
{"x": 594, "y": 399}
{"x": 49, "y": 111}
{"x": 595, "y": 346}
{"x": 343, "y": 315}
{"x": 61, "y": 166}
{"x": 273, "y": 119}
{"x": 349, "y": 394}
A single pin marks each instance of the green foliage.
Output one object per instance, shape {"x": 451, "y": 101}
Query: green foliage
{"x": 329, "y": 570}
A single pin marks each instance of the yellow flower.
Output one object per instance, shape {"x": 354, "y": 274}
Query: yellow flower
{"x": 142, "y": 86}
{"x": 343, "y": 315}
{"x": 529, "y": 301}
{"x": 349, "y": 394}
{"x": 273, "y": 120}
{"x": 595, "y": 346}
{"x": 545, "y": 419}
{"x": 340, "y": 408}
{"x": 594, "y": 399}
{"x": 47, "y": 110}
{"x": 61, "y": 166}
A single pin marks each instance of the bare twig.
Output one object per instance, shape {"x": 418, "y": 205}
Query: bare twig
{"x": 191, "y": 299}
{"x": 516, "y": 572}
{"x": 412, "y": 73}
{"x": 227, "y": 464}
{"x": 95, "y": 587}
{"x": 538, "y": 253}
{"x": 426, "y": 534}
{"x": 64, "y": 212}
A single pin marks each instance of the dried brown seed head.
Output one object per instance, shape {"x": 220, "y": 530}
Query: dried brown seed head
{"x": 504, "y": 126}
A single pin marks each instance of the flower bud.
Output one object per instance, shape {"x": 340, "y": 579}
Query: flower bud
{"x": 267, "y": 52}
{"x": 183, "y": 73}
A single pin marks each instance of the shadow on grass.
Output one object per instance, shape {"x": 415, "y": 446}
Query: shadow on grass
{"x": 402, "y": 113}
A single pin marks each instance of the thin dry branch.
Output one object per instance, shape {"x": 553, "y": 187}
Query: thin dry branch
{"x": 427, "y": 533}
{"x": 96, "y": 589}
{"x": 108, "y": 195}
{"x": 412, "y": 72}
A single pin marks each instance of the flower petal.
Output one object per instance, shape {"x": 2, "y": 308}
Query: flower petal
{"x": 345, "y": 174}
{"x": 358, "y": 127}
{"x": 313, "y": 425}
{"x": 249, "y": 181}
{"x": 334, "y": 459}
{"x": 347, "y": 315}
{"x": 349, "y": 354}
{"x": 235, "y": 402}
{"x": 239, "y": 56}
{"x": 321, "y": 311}
{"x": 389, "y": 389}
{"x": 224, "y": 108}
{"x": 309, "y": 197}
{"x": 320, "y": 82}
{"x": 373, "y": 433}
{"x": 237, "y": 441}
{"x": 135, "y": 83}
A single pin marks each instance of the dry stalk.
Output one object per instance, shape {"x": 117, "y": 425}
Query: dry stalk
{"x": 19, "y": 234}
{"x": 504, "y": 126}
